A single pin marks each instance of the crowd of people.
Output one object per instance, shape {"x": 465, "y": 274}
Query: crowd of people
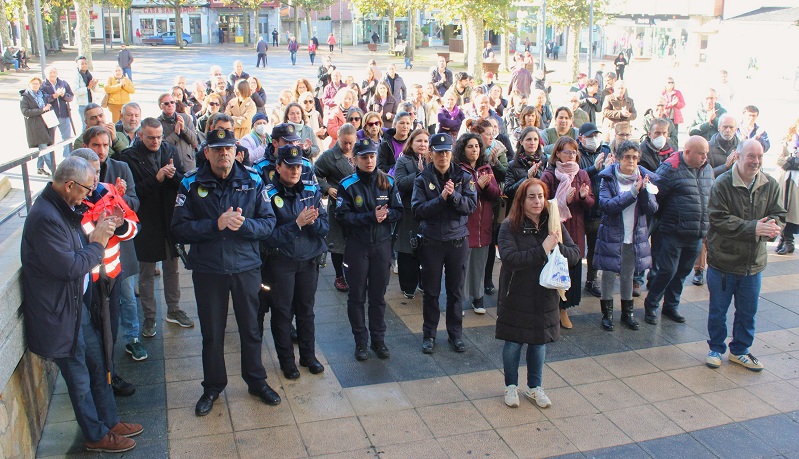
{"x": 434, "y": 181}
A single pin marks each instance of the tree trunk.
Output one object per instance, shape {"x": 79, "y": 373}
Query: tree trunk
{"x": 476, "y": 31}
{"x": 574, "y": 51}
{"x": 5, "y": 29}
{"x": 254, "y": 27}
{"x": 465, "y": 36}
{"x": 392, "y": 29}
{"x": 179, "y": 24}
{"x": 308, "y": 25}
{"x": 505, "y": 44}
{"x": 25, "y": 17}
{"x": 123, "y": 20}
{"x": 412, "y": 32}
{"x": 297, "y": 24}
{"x": 84, "y": 39}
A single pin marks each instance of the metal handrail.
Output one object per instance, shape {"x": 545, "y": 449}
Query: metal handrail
{"x": 23, "y": 161}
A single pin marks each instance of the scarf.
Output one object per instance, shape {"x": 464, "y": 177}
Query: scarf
{"x": 565, "y": 173}
{"x": 38, "y": 96}
{"x": 87, "y": 77}
{"x": 454, "y": 112}
{"x": 625, "y": 179}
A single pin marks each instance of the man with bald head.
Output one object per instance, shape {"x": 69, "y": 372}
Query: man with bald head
{"x": 685, "y": 182}
{"x": 745, "y": 214}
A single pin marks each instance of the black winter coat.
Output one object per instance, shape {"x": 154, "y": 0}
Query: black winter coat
{"x": 56, "y": 257}
{"x": 526, "y": 311}
{"x": 439, "y": 219}
{"x": 157, "y": 200}
{"x": 517, "y": 173}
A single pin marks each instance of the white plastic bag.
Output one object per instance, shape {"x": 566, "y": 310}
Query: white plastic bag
{"x": 555, "y": 274}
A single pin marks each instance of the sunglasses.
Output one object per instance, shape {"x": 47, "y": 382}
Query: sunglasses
{"x": 306, "y": 102}
{"x": 170, "y": 102}
{"x": 373, "y": 123}
{"x": 215, "y": 104}
{"x": 355, "y": 119}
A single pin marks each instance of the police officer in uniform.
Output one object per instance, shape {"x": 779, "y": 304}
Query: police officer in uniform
{"x": 282, "y": 135}
{"x": 443, "y": 197}
{"x": 367, "y": 206}
{"x": 293, "y": 251}
{"x": 223, "y": 211}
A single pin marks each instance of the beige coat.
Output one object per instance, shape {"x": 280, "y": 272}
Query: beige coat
{"x": 242, "y": 113}
{"x": 119, "y": 91}
{"x": 792, "y": 206}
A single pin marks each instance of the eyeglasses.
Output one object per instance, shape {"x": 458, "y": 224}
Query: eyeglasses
{"x": 630, "y": 157}
{"x": 306, "y": 102}
{"x": 169, "y": 102}
{"x": 623, "y": 135}
{"x": 87, "y": 188}
{"x": 568, "y": 153}
{"x": 373, "y": 123}
{"x": 355, "y": 119}
{"x": 215, "y": 104}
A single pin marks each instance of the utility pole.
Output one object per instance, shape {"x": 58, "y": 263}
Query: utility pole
{"x": 37, "y": 9}
{"x": 591, "y": 40}
{"x": 340, "y": 27}
{"x": 542, "y": 46}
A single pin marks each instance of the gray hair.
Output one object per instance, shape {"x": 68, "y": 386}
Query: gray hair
{"x": 73, "y": 169}
{"x": 89, "y": 106}
{"x": 86, "y": 153}
{"x": 131, "y": 105}
{"x": 150, "y": 122}
{"x": 346, "y": 129}
{"x": 407, "y": 106}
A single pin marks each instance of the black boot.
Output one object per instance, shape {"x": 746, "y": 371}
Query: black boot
{"x": 607, "y": 314}
{"x": 627, "y": 317}
{"x": 780, "y": 244}
{"x": 786, "y": 244}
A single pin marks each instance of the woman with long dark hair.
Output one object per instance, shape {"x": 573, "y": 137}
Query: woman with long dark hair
{"x": 527, "y": 313}
{"x": 409, "y": 165}
{"x": 528, "y": 162}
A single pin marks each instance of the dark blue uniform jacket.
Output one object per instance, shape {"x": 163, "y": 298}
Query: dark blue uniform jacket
{"x": 443, "y": 220}
{"x": 291, "y": 241}
{"x": 358, "y": 196}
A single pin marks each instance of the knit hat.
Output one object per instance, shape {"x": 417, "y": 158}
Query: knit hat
{"x": 259, "y": 116}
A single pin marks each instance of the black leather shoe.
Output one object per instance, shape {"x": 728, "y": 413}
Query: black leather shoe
{"x": 313, "y": 365}
{"x": 121, "y": 387}
{"x": 290, "y": 371}
{"x": 266, "y": 394}
{"x": 361, "y": 353}
{"x": 650, "y": 316}
{"x": 699, "y": 278}
{"x": 428, "y": 344}
{"x": 380, "y": 349}
{"x": 489, "y": 289}
{"x": 592, "y": 288}
{"x": 457, "y": 345}
{"x": 293, "y": 334}
{"x": 205, "y": 403}
{"x": 675, "y": 316}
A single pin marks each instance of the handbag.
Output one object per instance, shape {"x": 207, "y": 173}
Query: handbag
{"x": 555, "y": 274}
{"x": 50, "y": 119}
{"x": 104, "y": 102}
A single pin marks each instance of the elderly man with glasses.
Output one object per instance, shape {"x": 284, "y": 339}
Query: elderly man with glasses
{"x": 179, "y": 131}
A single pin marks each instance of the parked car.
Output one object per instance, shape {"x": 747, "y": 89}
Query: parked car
{"x": 166, "y": 38}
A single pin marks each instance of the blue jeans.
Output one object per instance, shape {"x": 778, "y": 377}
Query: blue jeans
{"x": 408, "y": 62}
{"x": 44, "y": 159}
{"x": 85, "y": 374}
{"x": 127, "y": 72}
{"x": 512, "y": 352}
{"x": 723, "y": 287}
{"x": 293, "y": 58}
{"x": 81, "y": 112}
{"x": 128, "y": 310}
{"x": 65, "y": 128}
{"x": 675, "y": 260}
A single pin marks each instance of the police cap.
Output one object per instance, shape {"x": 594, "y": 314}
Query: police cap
{"x": 286, "y": 132}
{"x": 441, "y": 142}
{"x": 365, "y": 147}
{"x": 220, "y": 138}
{"x": 289, "y": 154}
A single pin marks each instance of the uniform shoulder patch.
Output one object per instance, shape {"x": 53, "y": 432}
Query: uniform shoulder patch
{"x": 349, "y": 181}
{"x": 188, "y": 180}
{"x": 390, "y": 179}
{"x": 311, "y": 188}
{"x": 255, "y": 176}
{"x": 270, "y": 190}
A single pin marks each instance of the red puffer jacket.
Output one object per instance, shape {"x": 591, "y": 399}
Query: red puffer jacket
{"x": 480, "y": 223}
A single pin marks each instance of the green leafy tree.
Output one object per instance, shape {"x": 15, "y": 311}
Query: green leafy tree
{"x": 84, "y": 39}
{"x": 308, "y": 7}
{"x": 574, "y": 14}
{"x": 382, "y": 8}
{"x": 176, "y": 5}
{"x": 6, "y": 15}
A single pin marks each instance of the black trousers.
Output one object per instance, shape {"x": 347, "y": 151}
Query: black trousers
{"x": 409, "y": 270}
{"x": 591, "y": 234}
{"x": 264, "y": 298}
{"x": 213, "y": 291}
{"x": 443, "y": 258}
{"x": 293, "y": 293}
{"x": 367, "y": 274}
{"x": 261, "y": 57}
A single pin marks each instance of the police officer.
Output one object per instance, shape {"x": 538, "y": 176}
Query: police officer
{"x": 282, "y": 134}
{"x": 292, "y": 260}
{"x": 223, "y": 211}
{"x": 367, "y": 206}
{"x": 443, "y": 197}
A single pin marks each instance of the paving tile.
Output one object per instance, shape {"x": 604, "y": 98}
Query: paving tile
{"x": 320, "y": 406}
{"x": 624, "y": 364}
{"x": 656, "y": 387}
{"x": 476, "y": 444}
{"x": 220, "y": 445}
{"x": 481, "y": 384}
{"x": 349, "y": 436}
{"x": 378, "y": 398}
{"x": 645, "y": 338}
{"x": 580, "y": 371}
{"x": 692, "y": 413}
{"x": 593, "y": 344}
{"x": 739, "y": 404}
{"x": 591, "y": 431}
{"x": 643, "y": 422}
{"x": 783, "y": 365}
{"x": 629, "y": 451}
{"x": 466, "y": 362}
{"x": 410, "y": 364}
{"x": 429, "y": 449}
{"x": 352, "y": 373}
{"x": 782, "y": 395}
{"x": 743, "y": 377}
{"x": 150, "y": 397}
{"x": 252, "y": 413}
{"x": 188, "y": 368}
{"x": 432, "y": 391}
{"x": 733, "y": 441}
{"x": 499, "y": 415}
{"x": 563, "y": 349}
{"x": 145, "y": 372}
{"x": 608, "y": 395}
{"x": 783, "y": 340}
{"x": 565, "y": 402}
{"x": 677, "y": 447}
{"x": 453, "y": 419}
{"x": 361, "y": 453}
{"x": 779, "y": 432}
{"x": 536, "y": 440}
{"x": 60, "y": 438}
{"x": 280, "y": 441}
{"x": 396, "y": 427}
{"x": 60, "y": 409}
{"x": 668, "y": 357}
{"x": 183, "y": 423}
{"x": 701, "y": 379}
{"x": 181, "y": 394}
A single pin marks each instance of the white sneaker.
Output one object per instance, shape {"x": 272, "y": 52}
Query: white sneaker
{"x": 748, "y": 361}
{"x": 479, "y": 309}
{"x": 395, "y": 266}
{"x": 713, "y": 359}
{"x": 538, "y": 396}
{"x": 511, "y": 396}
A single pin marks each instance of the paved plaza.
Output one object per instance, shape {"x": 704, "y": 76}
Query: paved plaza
{"x": 630, "y": 394}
